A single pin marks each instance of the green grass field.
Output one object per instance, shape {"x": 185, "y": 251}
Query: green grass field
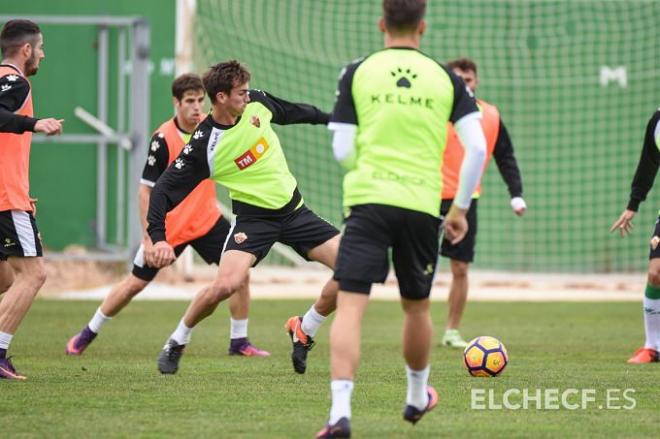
{"x": 115, "y": 390}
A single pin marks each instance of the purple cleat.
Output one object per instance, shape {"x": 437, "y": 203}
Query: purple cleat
{"x": 413, "y": 414}
{"x": 8, "y": 372}
{"x": 242, "y": 346}
{"x": 79, "y": 342}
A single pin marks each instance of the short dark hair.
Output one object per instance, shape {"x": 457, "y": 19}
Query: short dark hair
{"x": 403, "y": 15}
{"x": 15, "y": 33}
{"x": 224, "y": 76}
{"x": 465, "y": 64}
{"x": 186, "y": 82}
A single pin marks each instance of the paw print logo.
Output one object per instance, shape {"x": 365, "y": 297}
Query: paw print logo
{"x": 155, "y": 145}
{"x": 12, "y": 78}
{"x": 403, "y": 76}
{"x": 187, "y": 149}
{"x": 5, "y": 87}
{"x": 198, "y": 134}
{"x": 151, "y": 160}
{"x": 178, "y": 163}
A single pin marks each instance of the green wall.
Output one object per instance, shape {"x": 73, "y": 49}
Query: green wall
{"x": 63, "y": 176}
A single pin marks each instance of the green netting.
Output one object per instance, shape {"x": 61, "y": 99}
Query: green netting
{"x": 577, "y": 141}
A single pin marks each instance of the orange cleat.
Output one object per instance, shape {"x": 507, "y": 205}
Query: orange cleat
{"x": 644, "y": 355}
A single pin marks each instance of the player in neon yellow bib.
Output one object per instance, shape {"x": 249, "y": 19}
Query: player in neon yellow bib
{"x": 236, "y": 147}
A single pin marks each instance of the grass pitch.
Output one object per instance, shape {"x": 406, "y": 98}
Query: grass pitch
{"x": 115, "y": 390}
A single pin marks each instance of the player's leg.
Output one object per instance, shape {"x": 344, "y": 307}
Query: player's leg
{"x": 361, "y": 261}
{"x": 317, "y": 240}
{"x": 414, "y": 253}
{"x": 119, "y": 296}
{"x": 22, "y": 251}
{"x": 30, "y": 275}
{"x": 461, "y": 255}
{"x": 232, "y": 274}
{"x": 6, "y": 275}
{"x": 651, "y": 307}
{"x": 209, "y": 247}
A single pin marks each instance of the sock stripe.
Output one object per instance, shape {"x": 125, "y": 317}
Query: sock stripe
{"x": 652, "y": 292}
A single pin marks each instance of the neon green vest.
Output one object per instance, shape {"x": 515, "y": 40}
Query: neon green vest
{"x": 249, "y": 161}
{"x": 403, "y": 100}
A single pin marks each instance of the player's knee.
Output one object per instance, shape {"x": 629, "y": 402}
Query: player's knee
{"x": 37, "y": 276}
{"x": 459, "y": 268}
{"x": 135, "y": 286}
{"x": 5, "y": 284}
{"x": 220, "y": 290}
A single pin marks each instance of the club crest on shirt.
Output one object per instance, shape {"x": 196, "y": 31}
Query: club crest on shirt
{"x": 254, "y": 120}
{"x": 240, "y": 237}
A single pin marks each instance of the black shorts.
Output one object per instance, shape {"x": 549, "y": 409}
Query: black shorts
{"x": 464, "y": 250}
{"x": 655, "y": 253}
{"x": 19, "y": 235}
{"x": 371, "y": 229}
{"x": 209, "y": 247}
{"x": 301, "y": 230}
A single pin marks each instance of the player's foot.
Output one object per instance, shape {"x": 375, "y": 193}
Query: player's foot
{"x": 412, "y": 414}
{"x": 242, "y": 346}
{"x": 79, "y": 342}
{"x": 644, "y": 355}
{"x": 341, "y": 429}
{"x": 453, "y": 339}
{"x": 168, "y": 360}
{"x": 8, "y": 372}
{"x": 302, "y": 343}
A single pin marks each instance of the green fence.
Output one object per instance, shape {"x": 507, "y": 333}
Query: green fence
{"x": 63, "y": 176}
{"x": 575, "y": 83}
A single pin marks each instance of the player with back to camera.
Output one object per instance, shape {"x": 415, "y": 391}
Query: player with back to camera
{"x": 389, "y": 125}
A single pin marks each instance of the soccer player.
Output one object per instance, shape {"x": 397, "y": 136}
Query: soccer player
{"x": 641, "y": 185}
{"x": 22, "y": 271}
{"x": 236, "y": 146}
{"x": 498, "y": 145}
{"x": 197, "y": 222}
{"x": 389, "y": 125}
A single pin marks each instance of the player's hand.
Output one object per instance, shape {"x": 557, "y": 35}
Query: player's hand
{"x": 33, "y": 206}
{"x": 654, "y": 242}
{"x": 49, "y": 127}
{"x": 162, "y": 254}
{"x": 455, "y": 224}
{"x": 518, "y": 205}
{"x": 148, "y": 249}
{"x": 624, "y": 223}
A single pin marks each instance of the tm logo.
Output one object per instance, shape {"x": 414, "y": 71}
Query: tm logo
{"x": 403, "y": 76}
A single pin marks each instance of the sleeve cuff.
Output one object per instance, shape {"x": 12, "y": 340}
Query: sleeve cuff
{"x": 633, "y": 204}
{"x": 157, "y": 235}
{"x": 29, "y": 123}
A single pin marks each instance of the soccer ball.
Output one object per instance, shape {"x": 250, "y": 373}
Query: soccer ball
{"x": 485, "y": 357}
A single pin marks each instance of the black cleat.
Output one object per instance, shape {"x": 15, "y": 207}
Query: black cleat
{"x": 302, "y": 343}
{"x": 168, "y": 359}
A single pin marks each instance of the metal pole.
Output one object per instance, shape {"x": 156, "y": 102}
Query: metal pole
{"x": 102, "y": 147}
{"x": 121, "y": 114}
{"x": 139, "y": 102}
